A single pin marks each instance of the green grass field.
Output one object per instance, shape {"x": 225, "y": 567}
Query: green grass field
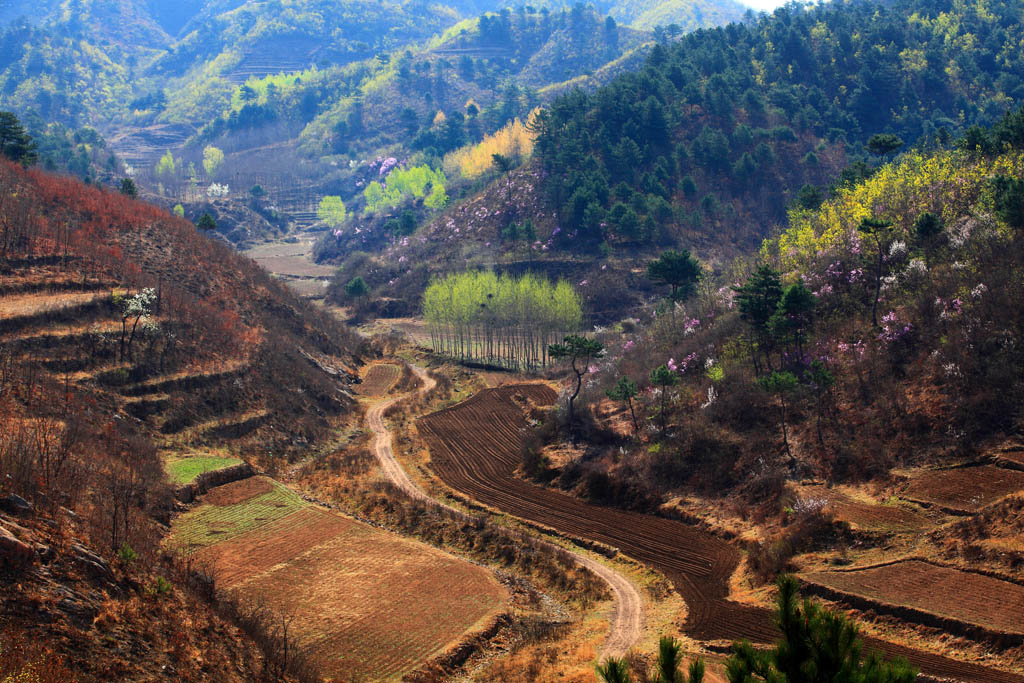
{"x": 209, "y": 524}
{"x": 185, "y": 470}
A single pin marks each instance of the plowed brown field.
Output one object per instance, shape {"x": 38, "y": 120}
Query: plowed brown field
{"x": 379, "y": 379}
{"x": 967, "y": 489}
{"x": 367, "y": 604}
{"x": 475, "y": 447}
{"x": 947, "y": 594}
{"x": 871, "y": 516}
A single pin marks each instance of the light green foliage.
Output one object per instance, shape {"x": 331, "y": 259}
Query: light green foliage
{"x": 332, "y": 211}
{"x": 716, "y": 373}
{"x": 213, "y": 159}
{"x": 186, "y": 470}
{"x": 374, "y": 196}
{"x": 407, "y": 183}
{"x": 437, "y": 198}
{"x": 166, "y": 167}
{"x": 499, "y": 319}
{"x": 209, "y": 524}
{"x": 179, "y": 210}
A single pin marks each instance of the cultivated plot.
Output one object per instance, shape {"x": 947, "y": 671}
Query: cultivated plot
{"x": 964, "y": 490}
{"x": 475, "y": 448}
{"x": 365, "y": 604}
{"x": 950, "y": 595}
{"x": 379, "y": 379}
{"x": 185, "y": 470}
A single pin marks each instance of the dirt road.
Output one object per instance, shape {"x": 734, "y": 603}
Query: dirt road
{"x": 627, "y": 618}
{"x": 475, "y": 449}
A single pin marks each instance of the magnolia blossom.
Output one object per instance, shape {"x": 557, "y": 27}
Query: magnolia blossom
{"x": 892, "y": 329}
{"x": 897, "y": 250}
{"x": 217, "y": 190}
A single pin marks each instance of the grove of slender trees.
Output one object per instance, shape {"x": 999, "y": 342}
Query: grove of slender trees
{"x": 505, "y": 320}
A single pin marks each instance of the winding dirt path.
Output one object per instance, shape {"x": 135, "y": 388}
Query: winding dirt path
{"x": 627, "y": 618}
{"x": 474, "y": 448}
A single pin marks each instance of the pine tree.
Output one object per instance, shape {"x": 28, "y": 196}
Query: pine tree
{"x": 758, "y": 300}
{"x": 662, "y": 377}
{"x": 15, "y": 143}
{"x": 670, "y": 658}
{"x": 579, "y": 350}
{"x": 206, "y": 222}
{"x": 614, "y": 671}
{"x": 677, "y": 269}
{"x": 880, "y": 231}
{"x": 817, "y": 645}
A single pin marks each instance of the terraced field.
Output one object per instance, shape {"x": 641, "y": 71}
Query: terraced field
{"x": 185, "y": 470}
{"x": 68, "y": 323}
{"x": 233, "y": 509}
{"x": 964, "y": 490}
{"x": 868, "y": 515}
{"x": 962, "y": 602}
{"x": 367, "y": 604}
{"x": 379, "y": 379}
{"x": 474, "y": 448}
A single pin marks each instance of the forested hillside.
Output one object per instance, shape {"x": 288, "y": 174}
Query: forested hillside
{"x": 880, "y": 331}
{"x": 721, "y": 131}
{"x": 728, "y": 125}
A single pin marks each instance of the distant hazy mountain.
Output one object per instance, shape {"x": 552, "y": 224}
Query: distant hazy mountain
{"x": 687, "y": 14}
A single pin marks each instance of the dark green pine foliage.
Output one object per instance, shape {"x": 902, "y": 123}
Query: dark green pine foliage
{"x": 817, "y": 646}
{"x": 15, "y": 143}
{"x": 728, "y": 125}
{"x": 758, "y": 300}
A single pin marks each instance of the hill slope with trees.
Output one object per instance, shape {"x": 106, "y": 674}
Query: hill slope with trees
{"x": 720, "y": 132}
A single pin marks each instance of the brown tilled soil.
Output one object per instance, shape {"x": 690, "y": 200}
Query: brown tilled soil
{"x": 238, "y": 491}
{"x": 866, "y": 515}
{"x": 258, "y": 551}
{"x": 379, "y": 379}
{"x": 959, "y": 596}
{"x": 475, "y": 449}
{"x": 1012, "y": 459}
{"x": 966, "y": 489}
{"x": 365, "y": 604}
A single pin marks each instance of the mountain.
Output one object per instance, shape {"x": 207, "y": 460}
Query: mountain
{"x": 131, "y": 340}
{"x": 879, "y": 351}
{"x": 714, "y": 138}
{"x": 684, "y": 15}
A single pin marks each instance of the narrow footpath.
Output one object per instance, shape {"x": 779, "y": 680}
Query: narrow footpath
{"x": 627, "y": 618}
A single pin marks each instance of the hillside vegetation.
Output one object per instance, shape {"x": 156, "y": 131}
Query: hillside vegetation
{"x": 711, "y": 142}
{"x": 872, "y": 319}
{"x": 126, "y": 336}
